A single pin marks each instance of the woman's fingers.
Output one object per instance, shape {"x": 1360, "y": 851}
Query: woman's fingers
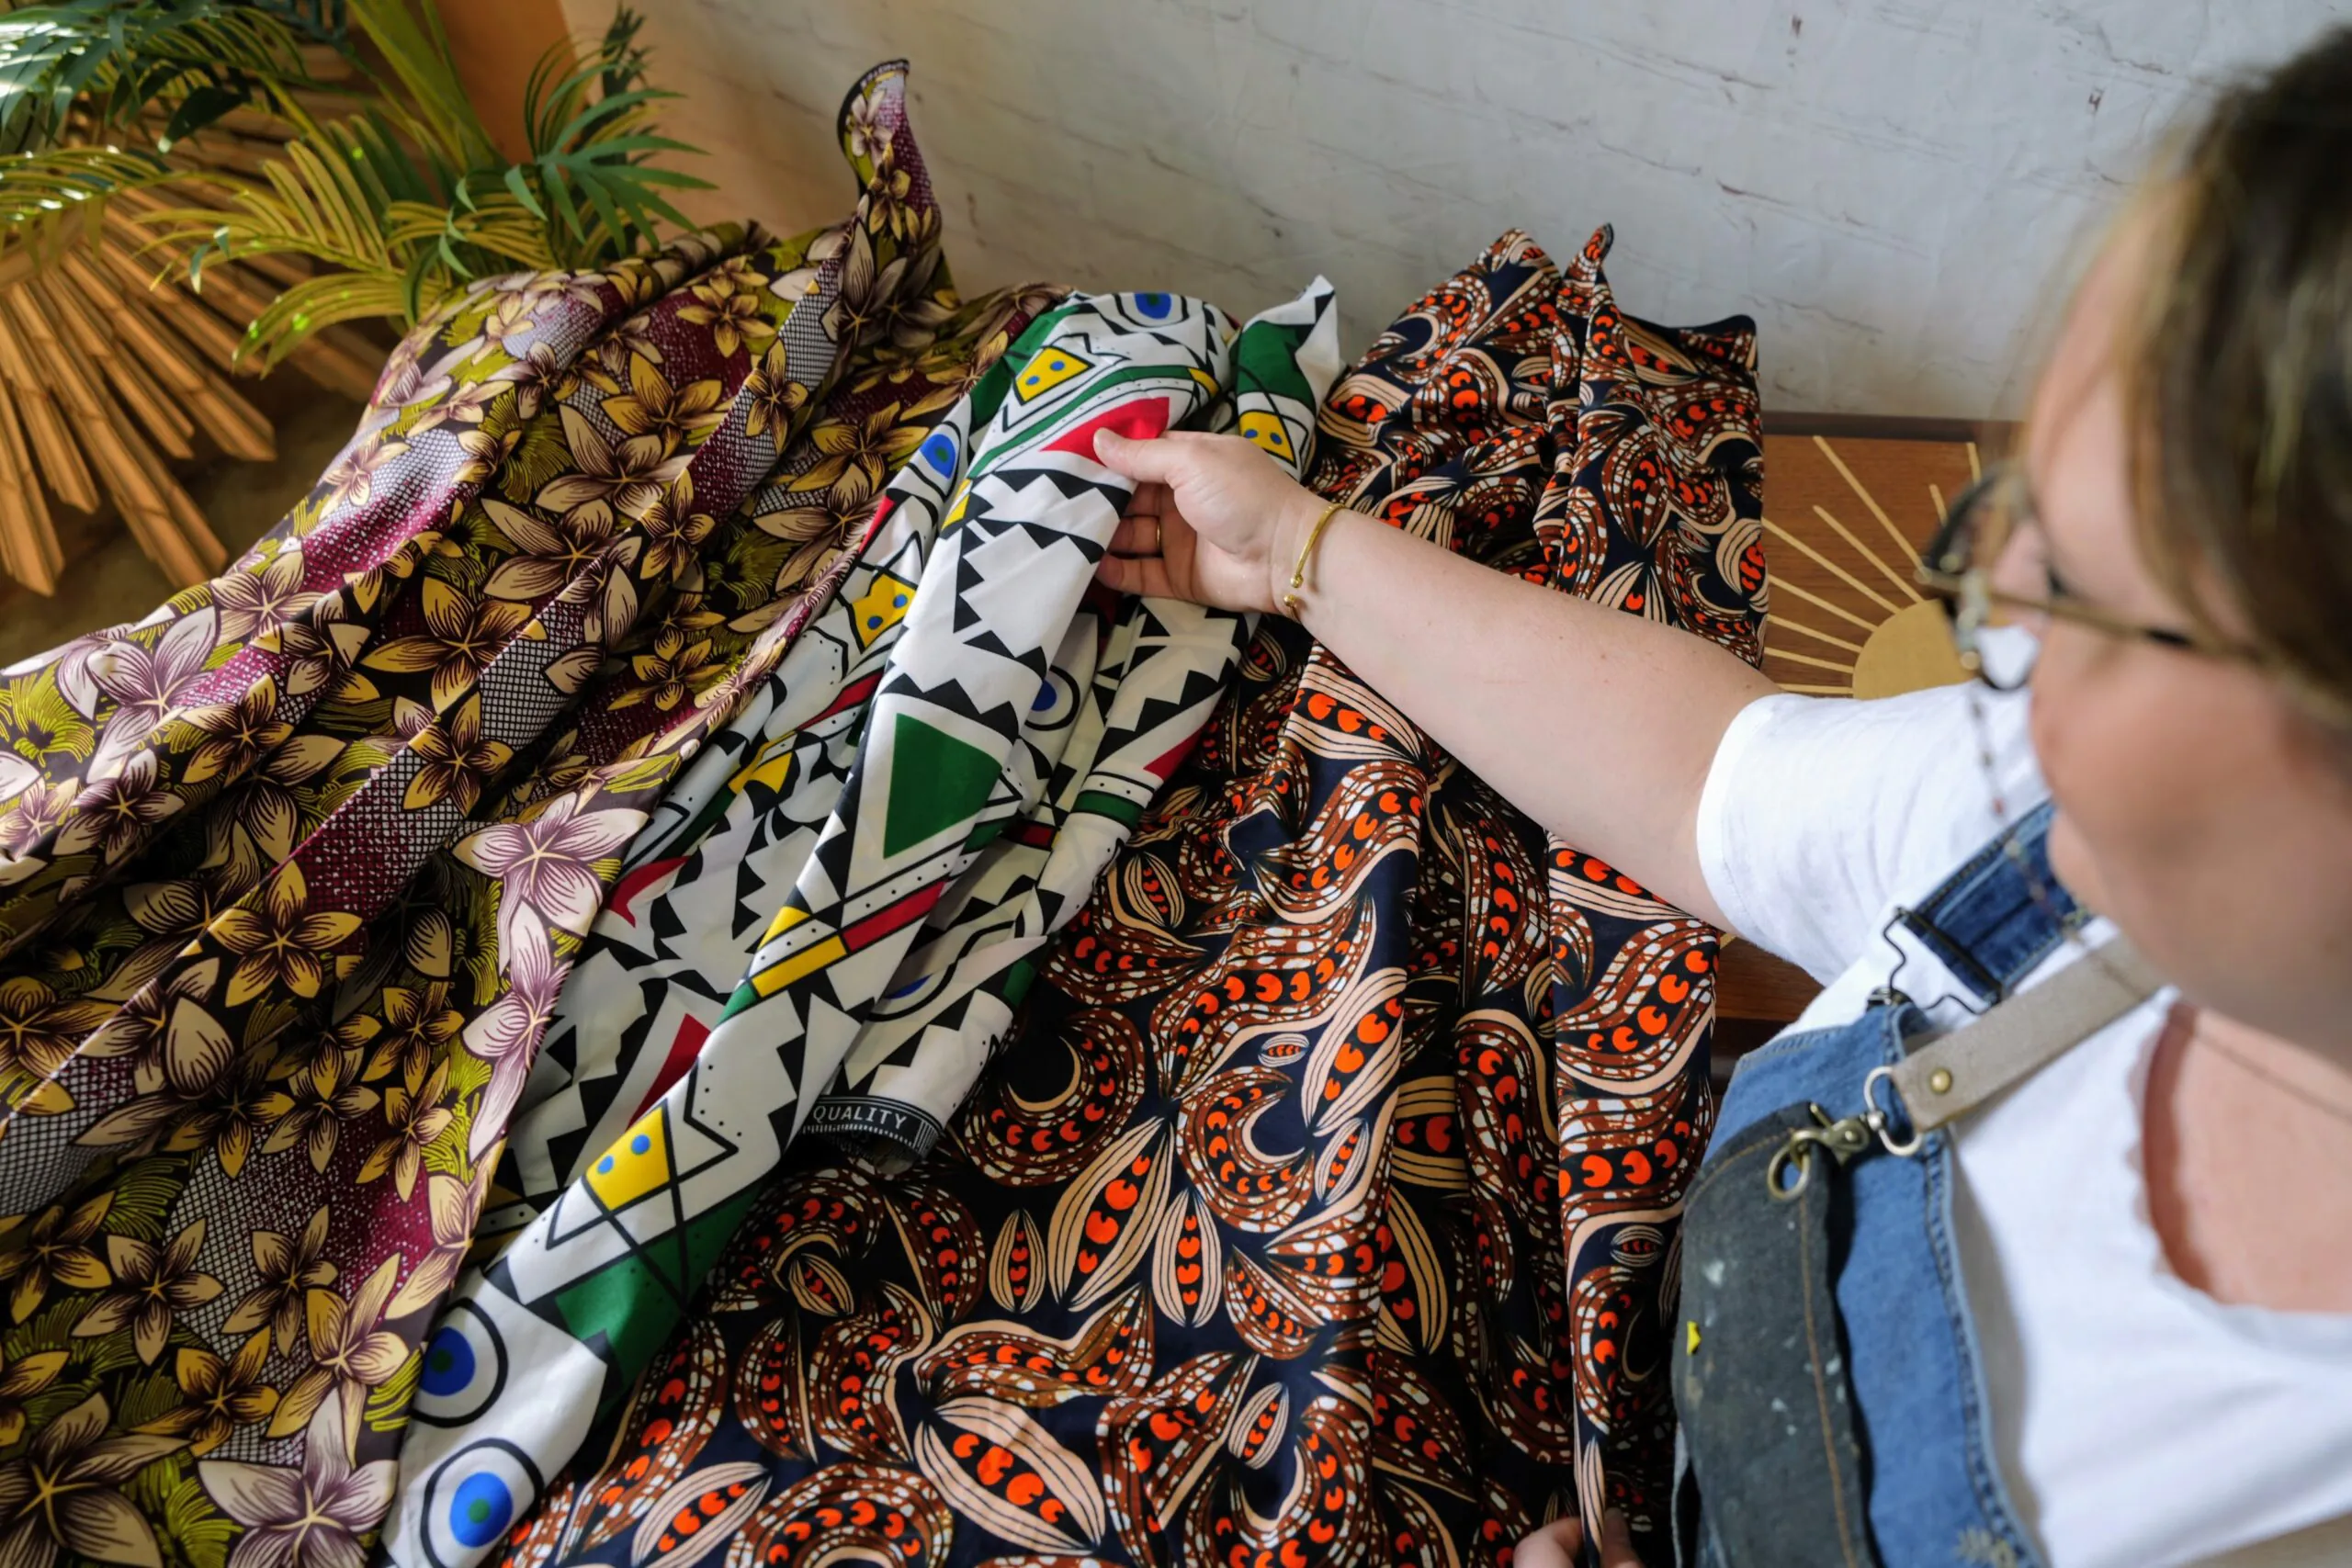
{"x": 1157, "y": 461}
{"x": 1136, "y": 574}
{"x": 1560, "y": 1544}
{"x": 1138, "y": 534}
{"x": 1617, "y": 1542}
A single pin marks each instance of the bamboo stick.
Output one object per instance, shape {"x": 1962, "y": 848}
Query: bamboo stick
{"x": 133, "y": 476}
{"x": 28, "y": 547}
{"x": 175, "y": 536}
{"x": 166, "y": 425}
{"x": 213, "y": 337}
{"x": 233, "y": 424}
{"x": 336, "y": 357}
{"x": 329, "y": 357}
{"x": 52, "y": 442}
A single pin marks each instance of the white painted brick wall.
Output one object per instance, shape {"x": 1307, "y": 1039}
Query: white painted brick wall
{"x": 1894, "y": 188}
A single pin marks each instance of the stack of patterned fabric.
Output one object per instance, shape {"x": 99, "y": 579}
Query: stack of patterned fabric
{"x": 931, "y": 1062}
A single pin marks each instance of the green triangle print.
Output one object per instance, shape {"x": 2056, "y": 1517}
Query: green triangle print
{"x": 936, "y": 781}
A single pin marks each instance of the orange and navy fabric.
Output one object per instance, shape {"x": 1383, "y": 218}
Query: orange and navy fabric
{"x": 1323, "y": 1209}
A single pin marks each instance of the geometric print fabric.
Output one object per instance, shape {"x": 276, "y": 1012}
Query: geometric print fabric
{"x": 937, "y": 772}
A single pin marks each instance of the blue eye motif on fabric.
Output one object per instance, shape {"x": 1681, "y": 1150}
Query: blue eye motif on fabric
{"x": 1056, "y": 703}
{"x": 473, "y": 1499}
{"x": 1156, "y": 313}
{"x": 464, "y": 1371}
{"x": 938, "y": 453}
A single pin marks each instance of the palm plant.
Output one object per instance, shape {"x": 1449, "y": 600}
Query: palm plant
{"x": 407, "y": 202}
{"x": 391, "y": 197}
{"x": 326, "y": 149}
{"x": 80, "y": 82}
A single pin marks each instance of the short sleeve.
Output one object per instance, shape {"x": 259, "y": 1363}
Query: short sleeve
{"x": 1820, "y": 814}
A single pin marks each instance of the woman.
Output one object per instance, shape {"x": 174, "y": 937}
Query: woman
{"x": 2146, "y": 1356}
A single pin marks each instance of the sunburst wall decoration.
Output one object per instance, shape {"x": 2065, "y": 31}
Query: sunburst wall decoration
{"x": 1846, "y": 521}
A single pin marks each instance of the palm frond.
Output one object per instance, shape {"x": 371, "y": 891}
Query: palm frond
{"x": 322, "y": 301}
{"x": 588, "y": 171}
{"x": 399, "y": 205}
{"x": 194, "y": 60}
{"x": 418, "y": 55}
{"x": 49, "y": 199}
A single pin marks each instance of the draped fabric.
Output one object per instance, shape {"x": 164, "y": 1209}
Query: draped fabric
{"x": 295, "y": 867}
{"x": 928, "y": 787}
{"x": 1321, "y": 1209}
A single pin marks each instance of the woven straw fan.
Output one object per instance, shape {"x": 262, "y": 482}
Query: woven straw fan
{"x": 1846, "y": 517}
{"x": 109, "y": 373}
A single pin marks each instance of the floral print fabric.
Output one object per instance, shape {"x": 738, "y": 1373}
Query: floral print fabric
{"x": 296, "y": 867}
{"x": 1322, "y": 1208}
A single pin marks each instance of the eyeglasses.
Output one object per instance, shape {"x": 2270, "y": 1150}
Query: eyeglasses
{"x": 1958, "y": 568}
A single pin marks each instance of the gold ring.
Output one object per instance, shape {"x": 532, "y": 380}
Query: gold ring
{"x": 1158, "y": 536}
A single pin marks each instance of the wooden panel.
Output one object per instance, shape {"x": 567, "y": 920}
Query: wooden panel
{"x": 1754, "y": 984}
{"x": 494, "y": 47}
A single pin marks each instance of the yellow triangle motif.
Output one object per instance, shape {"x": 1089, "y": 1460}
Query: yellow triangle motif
{"x": 1052, "y": 367}
{"x": 1264, "y": 429}
{"x": 956, "y": 506}
{"x": 880, "y": 607}
{"x": 1692, "y": 1350}
{"x": 638, "y": 1162}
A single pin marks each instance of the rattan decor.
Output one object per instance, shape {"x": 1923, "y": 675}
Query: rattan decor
{"x": 111, "y": 368}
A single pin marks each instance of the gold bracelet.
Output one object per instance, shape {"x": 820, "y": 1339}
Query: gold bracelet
{"x": 1307, "y": 553}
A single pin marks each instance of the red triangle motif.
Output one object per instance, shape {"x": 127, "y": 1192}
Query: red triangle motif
{"x": 637, "y": 882}
{"x": 685, "y": 1046}
{"x": 1138, "y": 421}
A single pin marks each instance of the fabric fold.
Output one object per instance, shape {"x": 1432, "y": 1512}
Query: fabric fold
{"x": 928, "y": 790}
{"x": 1321, "y": 1208}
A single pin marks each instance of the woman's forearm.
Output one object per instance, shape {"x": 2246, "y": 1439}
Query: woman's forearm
{"x": 1597, "y": 724}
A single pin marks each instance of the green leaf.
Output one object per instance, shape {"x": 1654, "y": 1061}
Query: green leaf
{"x": 190, "y": 1519}
{"x": 143, "y": 1196}
{"x": 121, "y": 57}
{"x": 412, "y": 46}
{"x": 387, "y": 1406}
{"x": 202, "y": 108}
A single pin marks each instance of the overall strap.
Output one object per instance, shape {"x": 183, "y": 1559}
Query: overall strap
{"x": 2001, "y": 913}
{"x": 1944, "y": 1081}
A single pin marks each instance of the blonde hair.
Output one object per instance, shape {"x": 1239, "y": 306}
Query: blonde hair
{"x": 2238, "y": 370}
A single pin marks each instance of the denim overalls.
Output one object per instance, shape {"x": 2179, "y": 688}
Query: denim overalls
{"x": 1826, "y": 1366}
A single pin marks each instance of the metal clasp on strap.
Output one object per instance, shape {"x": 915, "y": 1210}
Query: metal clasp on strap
{"x": 1790, "y": 1170}
{"x": 1846, "y": 1138}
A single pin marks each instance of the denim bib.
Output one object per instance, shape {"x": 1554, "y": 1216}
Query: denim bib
{"x": 1827, "y": 1368}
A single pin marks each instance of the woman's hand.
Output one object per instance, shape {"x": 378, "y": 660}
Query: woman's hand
{"x": 1560, "y": 1544}
{"x": 1512, "y": 679}
{"x": 1214, "y": 520}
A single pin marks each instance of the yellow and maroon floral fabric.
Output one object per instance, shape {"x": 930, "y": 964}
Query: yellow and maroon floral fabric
{"x": 1322, "y": 1210}
{"x": 291, "y": 871}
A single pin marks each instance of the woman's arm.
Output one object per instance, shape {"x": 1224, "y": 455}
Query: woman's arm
{"x": 1597, "y": 724}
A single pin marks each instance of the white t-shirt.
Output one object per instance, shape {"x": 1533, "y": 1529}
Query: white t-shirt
{"x": 2141, "y": 1422}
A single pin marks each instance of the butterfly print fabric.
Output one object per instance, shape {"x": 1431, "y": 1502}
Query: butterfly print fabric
{"x": 1321, "y": 1209}
{"x": 930, "y": 787}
